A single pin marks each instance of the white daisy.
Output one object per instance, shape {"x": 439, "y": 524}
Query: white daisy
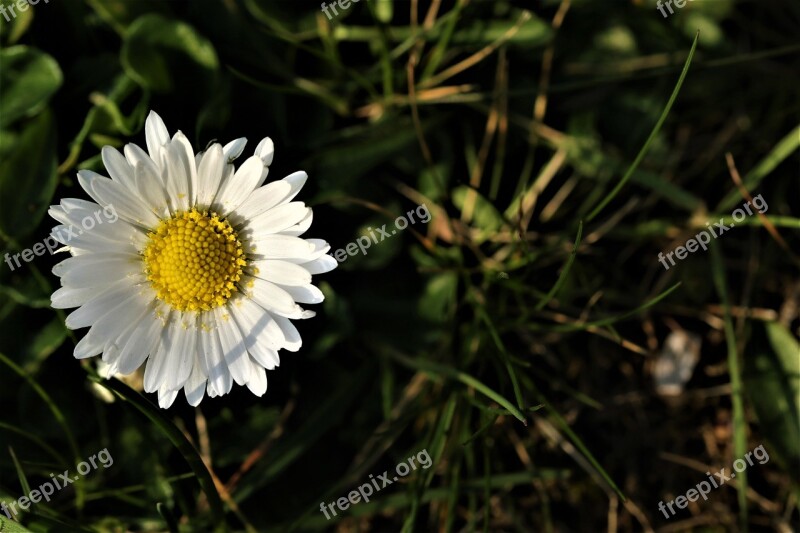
{"x": 201, "y": 274}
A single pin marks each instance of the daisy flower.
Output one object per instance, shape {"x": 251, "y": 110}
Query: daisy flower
{"x": 200, "y": 276}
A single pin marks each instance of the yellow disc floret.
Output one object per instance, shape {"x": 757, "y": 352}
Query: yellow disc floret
{"x": 194, "y": 260}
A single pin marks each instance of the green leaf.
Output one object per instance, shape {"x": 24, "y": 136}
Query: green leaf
{"x": 46, "y": 341}
{"x": 27, "y": 176}
{"x": 28, "y": 78}
{"x": 9, "y": 526}
{"x": 484, "y": 214}
{"x": 12, "y": 30}
{"x": 772, "y": 380}
{"x": 157, "y": 49}
{"x": 438, "y": 302}
{"x": 119, "y": 14}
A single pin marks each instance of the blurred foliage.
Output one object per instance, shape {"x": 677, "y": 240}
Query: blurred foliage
{"x": 512, "y": 337}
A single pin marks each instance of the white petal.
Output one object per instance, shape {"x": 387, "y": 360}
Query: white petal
{"x": 166, "y": 397}
{"x": 58, "y": 213}
{"x": 320, "y": 248}
{"x": 67, "y": 297}
{"x": 321, "y": 265}
{"x": 154, "y": 372}
{"x": 282, "y": 247}
{"x": 143, "y": 342}
{"x": 263, "y": 199}
{"x": 281, "y": 272}
{"x": 156, "y": 135}
{"x": 293, "y": 340}
{"x": 234, "y": 149}
{"x": 76, "y": 204}
{"x": 90, "y": 270}
{"x": 305, "y": 294}
{"x": 181, "y": 352}
{"x": 265, "y": 151}
{"x": 219, "y": 377}
{"x": 195, "y": 387}
{"x": 209, "y": 175}
{"x": 273, "y": 298}
{"x": 177, "y": 177}
{"x": 89, "y": 346}
{"x": 262, "y": 336}
{"x": 116, "y": 232}
{"x": 109, "y": 193}
{"x": 232, "y": 346}
{"x": 187, "y": 156}
{"x": 119, "y": 324}
{"x": 97, "y": 307}
{"x": 235, "y": 191}
{"x": 136, "y": 156}
{"x": 258, "y": 381}
{"x": 301, "y": 227}
{"x": 277, "y": 219}
{"x": 151, "y": 189}
{"x": 118, "y": 167}
{"x": 296, "y": 180}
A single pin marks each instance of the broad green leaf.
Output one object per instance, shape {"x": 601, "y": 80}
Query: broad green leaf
{"x": 772, "y": 380}
{"x": 484, "y": 215}
{"x": 439, "y": 300}
{"x": 46, "y": 341}
{"x": 28, "y": 78}
{"x": 27, "y": 176}
{"x": 166, "y": 55}
{"x": 9, "y": 526}
{"x": 119, "y": 14}
{"x": 11, "y": 31}
{"x": 384, "y": 10}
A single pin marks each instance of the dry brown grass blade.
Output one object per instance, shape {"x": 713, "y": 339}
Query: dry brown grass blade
{"x": 479, "y": 56}
{"x": 737, "y": 180}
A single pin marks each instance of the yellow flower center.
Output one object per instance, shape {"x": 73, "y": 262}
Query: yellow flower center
{"x": 194, "y": 260}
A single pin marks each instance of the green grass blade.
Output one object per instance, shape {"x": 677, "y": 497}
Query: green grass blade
{"x": 605, "y": 321}
{"x": 739, "y": 422}
{"x": 786, "y": 147}
{"x": 564, "y": 271}
{"x": 80, "y": 488}
{"x": 444, "y": 371}
{"x": 652, "y": 136}
{"x": 177, "y": 438}
{"x": 578, "y": 443}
